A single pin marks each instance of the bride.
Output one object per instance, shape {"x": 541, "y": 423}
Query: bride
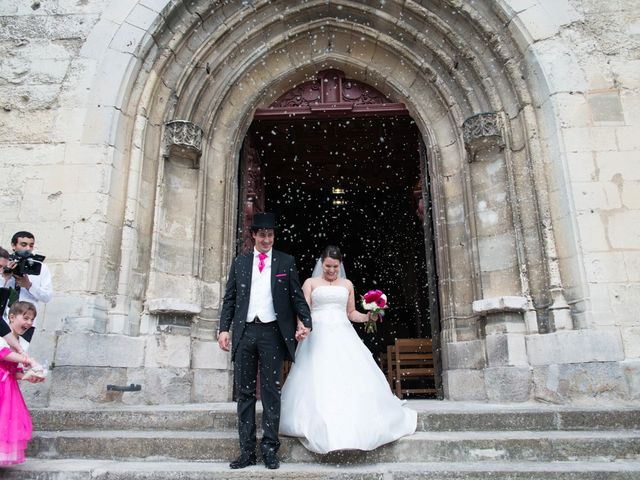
{"x": 336, "y": 397}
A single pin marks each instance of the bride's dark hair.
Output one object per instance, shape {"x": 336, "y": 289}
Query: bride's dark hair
{"x": 332, "y": 252}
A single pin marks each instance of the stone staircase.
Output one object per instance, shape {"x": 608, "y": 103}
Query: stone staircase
{"x": 455, "y": 440}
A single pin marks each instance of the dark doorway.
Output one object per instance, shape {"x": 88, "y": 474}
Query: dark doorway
{"x": 351, "y": 182}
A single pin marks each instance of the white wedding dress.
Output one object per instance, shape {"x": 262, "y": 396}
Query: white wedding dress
{"x": 336, "y": 397}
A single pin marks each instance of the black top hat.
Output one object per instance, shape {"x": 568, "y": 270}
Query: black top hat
{"x": 263, "y": 220}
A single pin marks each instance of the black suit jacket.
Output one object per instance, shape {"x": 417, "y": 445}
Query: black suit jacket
{"x": 288, "y": 299}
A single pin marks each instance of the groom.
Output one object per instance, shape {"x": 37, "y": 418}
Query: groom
{"x": 261, "y": 301}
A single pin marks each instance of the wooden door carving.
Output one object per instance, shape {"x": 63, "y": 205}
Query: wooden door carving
{"x": 251, "y": 193}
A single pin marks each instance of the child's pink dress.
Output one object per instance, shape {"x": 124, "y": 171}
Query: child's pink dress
{"x": 15, "y": 421}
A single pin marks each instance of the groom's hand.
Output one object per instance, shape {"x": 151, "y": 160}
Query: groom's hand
{"x": 223, "y": 341}
{"x": 302, "y": 332}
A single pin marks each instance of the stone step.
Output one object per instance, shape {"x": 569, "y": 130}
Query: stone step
{"x": 433, "y": 415}
{"x": 461, "y": 446}
{"x": 116, "y": 470}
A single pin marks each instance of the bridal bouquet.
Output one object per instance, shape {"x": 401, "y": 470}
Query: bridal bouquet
{"x": 375, "y": 302}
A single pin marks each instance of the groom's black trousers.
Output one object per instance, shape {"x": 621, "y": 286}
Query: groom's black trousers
{"x": 261, "y": 344}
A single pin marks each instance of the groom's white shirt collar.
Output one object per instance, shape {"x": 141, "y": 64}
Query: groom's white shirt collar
{"x": 256, "y": 252}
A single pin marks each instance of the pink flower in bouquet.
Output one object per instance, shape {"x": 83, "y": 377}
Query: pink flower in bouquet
{"x": 374, "y": 301}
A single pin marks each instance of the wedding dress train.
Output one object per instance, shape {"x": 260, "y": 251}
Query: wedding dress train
{"x": 336, "y": 397}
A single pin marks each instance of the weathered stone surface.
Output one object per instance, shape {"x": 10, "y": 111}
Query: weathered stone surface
{"x": 168, "y": 350}
{"x": 212, "y": 385}
{"x": 506, "y": 350}
{"x": 631, "y": 371}
{"x": 508, "y": 384}
{"x": 85, "y": 386}
{"x": 462, "y": 355}
{"x": 88, "y": 85}
{"x": 464, "y": 384}
{"x": 167, "y": 385}
{"x": 581, "y": 382}
{"x": 99, "y": 350}
{"x": 578, "y": 346}
{"x": 207, "y": 355}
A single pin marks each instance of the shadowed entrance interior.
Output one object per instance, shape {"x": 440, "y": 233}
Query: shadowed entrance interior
{"x": 350, "y": 182}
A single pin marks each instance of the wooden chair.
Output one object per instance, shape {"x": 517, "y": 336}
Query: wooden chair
{"x": 391, "y": 378}
{"x": 413, "y": 362}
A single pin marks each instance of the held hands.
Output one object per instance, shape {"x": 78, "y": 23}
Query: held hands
{"x": 27, "y": 361}
{"x": 301, "y": 331}
{"x": 224, "y": 341}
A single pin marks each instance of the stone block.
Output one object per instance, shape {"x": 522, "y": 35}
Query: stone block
{"x": 464, "y": 384}
{"x": 143, "y": 16}
{"x": 624, "y": 229}
{"x": 631, "y": 195}
{"x": 575, "y": 346}
{"x": 166, "y": 350}
{"x": 504, "y": 322}
{"x": 592, "y": 382}
{"x": 582, "y": 166}
{"x": 593, "y": 235}
{"x": 212, "y": 386}
{"x": 508, "y": 384}
{"x": 590, "y": 139}
{"x": 605, "y": 266}
{"x": 562, "y": 71}
{"x": 615, "y": 164}
{"x": 538, "y": 23}
{"x": 172, "y": 305}
{"x": 631, "y": 371}
{"x": 632, "y": 259}
{"x": 208, "y": 355}
{"x": 497, "y": 252}
{"x": 506, "y": 350}
{"x": 500, "y": 304}
{"x": 573, "y": 109}
{"x": 628, "y": 138}
{"x": 84, "y": 386}
{"x": 166, "y": 385}
{"x": 463, "y": 355}
{"x": 135, "y": 376}
{"x": 99, "y": 350}
{"x": 605, "y": 107}
{"x": 625, "y": 303}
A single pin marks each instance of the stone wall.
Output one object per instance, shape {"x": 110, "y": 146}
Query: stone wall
{"x": 537, "y": 226}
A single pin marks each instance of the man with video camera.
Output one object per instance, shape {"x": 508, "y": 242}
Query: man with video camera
{"x": 27, "y": 274}
{"x": 5, "y": 331}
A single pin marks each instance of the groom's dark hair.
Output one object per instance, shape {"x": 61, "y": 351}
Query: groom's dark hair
{"x": 331, "y": 251}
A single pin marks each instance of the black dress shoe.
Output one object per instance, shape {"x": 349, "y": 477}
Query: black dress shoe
{"x": 244, "y": 460}
{"x": 271, "y": 460}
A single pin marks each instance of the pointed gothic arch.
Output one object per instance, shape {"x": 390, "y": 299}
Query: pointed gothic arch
{"x": 229, "y": 60}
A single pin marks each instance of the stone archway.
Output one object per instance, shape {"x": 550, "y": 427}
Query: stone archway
{"x": 496, "y": 250}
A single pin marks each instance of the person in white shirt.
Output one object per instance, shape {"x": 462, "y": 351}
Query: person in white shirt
{"x": 265, "y": 309}
{"x": 5, "y": 330}
{"x": 36, "y": 289}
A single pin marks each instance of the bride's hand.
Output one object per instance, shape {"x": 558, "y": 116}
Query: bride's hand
{"x": 301, "y": 331}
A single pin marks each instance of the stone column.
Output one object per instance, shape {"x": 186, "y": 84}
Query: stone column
{"x": 503, "y": 276}
{"x": 173, "y": 301}
{"x": 173, "y": 286}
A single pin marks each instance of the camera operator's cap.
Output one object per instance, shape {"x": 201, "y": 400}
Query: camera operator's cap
{"x": 264, "y": 220}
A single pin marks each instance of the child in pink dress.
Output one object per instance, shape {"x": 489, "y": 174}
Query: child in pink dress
{"x": 15, "y": 421}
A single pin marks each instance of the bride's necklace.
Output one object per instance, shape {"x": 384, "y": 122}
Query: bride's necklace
{"x": 330, "y": 282}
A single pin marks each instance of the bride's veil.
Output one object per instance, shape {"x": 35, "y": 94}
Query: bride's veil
{"x": 317, "y": 270}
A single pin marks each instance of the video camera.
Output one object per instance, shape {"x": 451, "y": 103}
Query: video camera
{"x": 27, "y": 263}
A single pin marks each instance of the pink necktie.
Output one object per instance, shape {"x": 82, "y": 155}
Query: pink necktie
{"x": 261, "y": 258}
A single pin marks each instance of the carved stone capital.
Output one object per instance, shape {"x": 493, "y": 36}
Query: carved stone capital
{"x": 183, "y": 141}
{"x": 482, "y": 132}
